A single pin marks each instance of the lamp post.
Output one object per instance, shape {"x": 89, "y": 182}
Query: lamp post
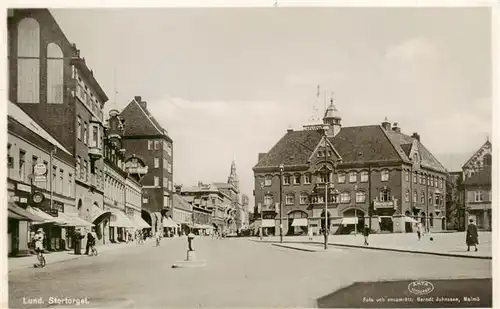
{"x": 282, "y": 167}
{"x": 262, "y": 211}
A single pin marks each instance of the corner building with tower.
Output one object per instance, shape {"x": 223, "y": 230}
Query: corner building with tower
{"x": 374, "y": 175}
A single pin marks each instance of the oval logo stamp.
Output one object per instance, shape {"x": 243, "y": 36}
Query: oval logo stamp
{"x": 420, "y": 287}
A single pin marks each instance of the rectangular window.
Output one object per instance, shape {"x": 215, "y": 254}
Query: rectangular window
{"x": 156, "y": 181}
{"x": 364, "y": 176}
{"x": 22, "y": 165}
{"x": 85, "y": 133}
{"x": 10, "y": 159}
{"x": 170, "y": 185}
{"x": 157, "y": 162}
{"x": 61, "y": 181}
{"x": 70, "y": 184}
{"x": 145, "y": 200}
{"x": 169, "y": 168}
{"x": 385, "y": 175}
{"x": 95, "y": 131}
{"x": 150, "y": 145}
{"x": 353, "y": 177}
{"x": 268, "y": 181}
{"x": 54, "y": 178}
{"x": 432, "y": 181}
{"x": 78, "y": 170}
{"x": 303, "y": 199}
{"x": 407, "y": 176}
{"x": 166, "y": 201}
{"x": 478, "y": 196}
{"x": 28, "y": 80}
{"x": 157, "y": 145}
{"x": 414, "y": 178}
{"x": 296, "y": 179}
{"x": 289, "y": 199}
{"x": 341, "y": 178}
{"x": 307, "y": 179}
{"x": 286, "y": 180}
{"x": 169, "y": 149}
{"x": 34, "y": 160}
{"x": 86, "y": 170}
{"x": 422, "y": 197}
{"x": 345, "y": 197}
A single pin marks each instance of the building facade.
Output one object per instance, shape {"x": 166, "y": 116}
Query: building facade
{"x": 150, "y": 152}
{"x": 29, "y": 146}
{"x": 372, "y": 175}
{"x": 477, "y": 187}
{"x": 51, "y": 82}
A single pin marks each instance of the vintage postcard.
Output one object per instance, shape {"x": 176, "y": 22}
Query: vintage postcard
{"x": 249, "y": 157}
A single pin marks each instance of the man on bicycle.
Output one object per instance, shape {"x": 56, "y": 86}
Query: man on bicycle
{"x": 39, "y": 248}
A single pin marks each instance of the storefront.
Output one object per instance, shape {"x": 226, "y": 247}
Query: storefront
{"x": 118, "y": 225}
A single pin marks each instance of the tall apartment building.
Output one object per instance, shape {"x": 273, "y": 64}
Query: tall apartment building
{"x": 51, "y": 82}
{"x": 150, "y": 153}
{"x": 372, "y": 174}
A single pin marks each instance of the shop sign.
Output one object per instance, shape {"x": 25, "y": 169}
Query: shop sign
{"x": 23, "y": 187}
{"x": 18, "y": 199}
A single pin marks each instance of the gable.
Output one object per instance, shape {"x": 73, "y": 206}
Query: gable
{"x": 318, "y": 155}
{"x": 476, "y": 160}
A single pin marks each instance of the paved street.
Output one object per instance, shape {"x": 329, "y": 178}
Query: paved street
{"x": 240, "y": 273}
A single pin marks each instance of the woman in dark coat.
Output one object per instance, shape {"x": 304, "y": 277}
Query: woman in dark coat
{"x": 472, "y": 236}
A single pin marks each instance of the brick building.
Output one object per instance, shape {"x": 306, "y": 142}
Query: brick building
{"x": 372, "y": 175}
{"x": 50, "y": 81}
{"x": 149, "y": 152}
{"x": 477, "y": 187}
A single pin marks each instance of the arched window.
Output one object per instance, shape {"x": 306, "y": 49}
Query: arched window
{"x": 385, "y": 195}
{"x": 304, "y": 198}
{"x": 307, "y": 178}
{"x": 289, "y": 199}
{"x": 360, "y": 196}
{"x": 345, "y": 197}
{"x": 28, "y": 61}
{"x": 55, "y": 74}
{"x": 487, "y": 160}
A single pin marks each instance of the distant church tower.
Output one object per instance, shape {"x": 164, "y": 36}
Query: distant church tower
{"x": 233, "y": 177}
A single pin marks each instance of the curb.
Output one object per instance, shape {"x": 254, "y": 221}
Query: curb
{"x": 381, "y": 249}
{"x": 293, "y": 248}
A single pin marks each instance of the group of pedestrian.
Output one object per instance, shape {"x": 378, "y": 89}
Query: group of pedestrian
{"x": 140, "y": 237}
{"x": 90, "y": 248}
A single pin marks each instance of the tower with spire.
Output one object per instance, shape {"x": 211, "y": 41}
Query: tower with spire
{"x": 332, "y": 119}
{"x": 233, "y": 177}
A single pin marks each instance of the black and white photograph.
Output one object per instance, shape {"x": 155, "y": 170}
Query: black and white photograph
{"x": 277, "y": 156}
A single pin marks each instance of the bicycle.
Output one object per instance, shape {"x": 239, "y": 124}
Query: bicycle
{"x": 93, "y": 251}
{"x": 41, "y": 259}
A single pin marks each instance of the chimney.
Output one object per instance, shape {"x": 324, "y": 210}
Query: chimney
{"x": 416, "y": 136}
{"x": 144, "y": 104}
{"x": 138, "y": 98}
{"x": 178, "y": 189}
{"x": 289, "y": 130}
{"x": 395, "y": 128}
{"x": 261, "y": 155}
{"x": 386, "y": 125}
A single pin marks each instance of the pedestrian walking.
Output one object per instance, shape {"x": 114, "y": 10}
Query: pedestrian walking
{"x": 419, "y": 231}
{"x": 158, "y": 238}
{"x": 90, "y": 240}
{"x": 366, "y": 233}
{"x": 310, "y": 233}
{"x": 472, "y": 237}
{"x": 39, "y": 249}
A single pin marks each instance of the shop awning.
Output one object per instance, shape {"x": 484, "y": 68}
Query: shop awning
{"x": 13, "y": 215}
{"x": 46, "y": 217}
{"x": 268, "y": 223}
{"x": 15, "y": 211}
{"x": 409, "y": 219}
{"x": 350, "y": 220}
{"x": 167, "y": 222}
{"x": 74, "y": 220}
{"x": 119, "y": 219}
{"x": 208, "y": 227}
{"x": 299, "y": 222}
{"x": 140, "y": 223}
{"x": 97, "y": 212}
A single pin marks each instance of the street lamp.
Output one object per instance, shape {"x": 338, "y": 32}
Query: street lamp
{"x": 282, "y": 167}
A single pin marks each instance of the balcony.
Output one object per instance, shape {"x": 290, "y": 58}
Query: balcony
{"x": 142, "y": 170}
{"x": 392, "y": 204}
{"x": 95, "y": 153}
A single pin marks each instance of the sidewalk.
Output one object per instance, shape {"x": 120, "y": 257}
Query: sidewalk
{"x": 445, "y": 244}
{"x": 17, "y": 263}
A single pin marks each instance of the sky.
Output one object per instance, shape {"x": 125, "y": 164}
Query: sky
{"x": 227, "y": 83}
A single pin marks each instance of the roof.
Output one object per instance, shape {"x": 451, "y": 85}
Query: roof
{"x": 295, "y": 147}
{"x": 139, "y": 122}
{"x": 400, "y": 140}
{"x": 483, "y": 177}
{"x": 180, "y": 203}
{"x": 364, "y": 144}
{"x": 204, "y": 188}
{"x": 476, "y": 154}
{"x": 358, "y": 144}
{"x": 16, "y": 113}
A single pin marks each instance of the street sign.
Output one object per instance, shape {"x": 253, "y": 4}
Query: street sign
{"x": 39, "y": 169}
